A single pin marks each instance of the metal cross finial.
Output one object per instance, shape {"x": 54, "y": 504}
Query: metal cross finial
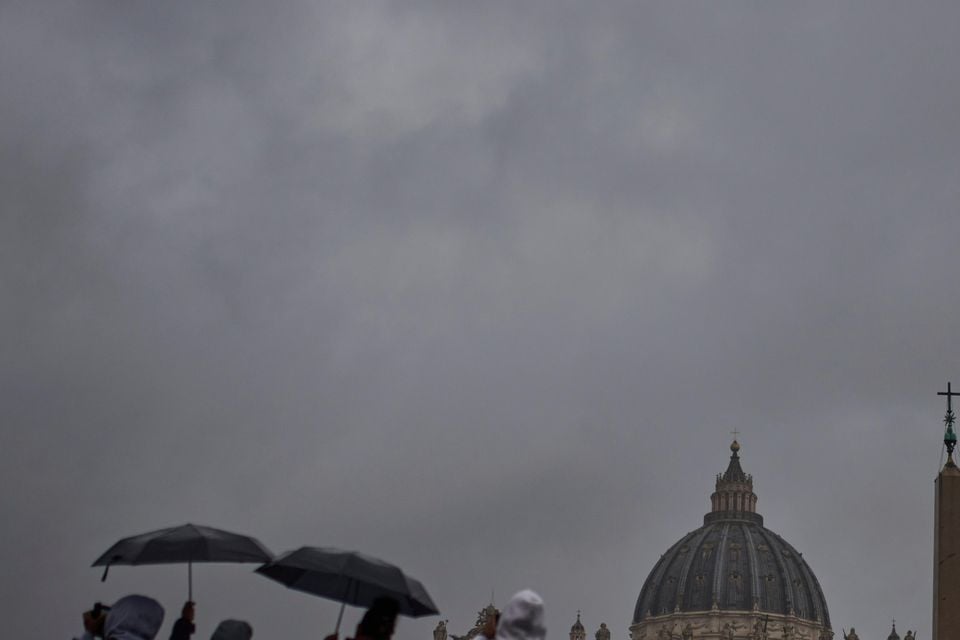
{"x": 736, "y": 433}
{"x": 949, "y": 394}
{"x": 950, "y": 437}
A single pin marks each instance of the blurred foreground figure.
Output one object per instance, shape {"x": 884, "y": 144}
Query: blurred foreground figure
{"x": 183, "y": 628}
{"x": 378, "y": 623}
{"x": 522, "y": 618}
{"x": 380, "y": 620}
{"x": 130, "y": 618}
{"x": 233, "y": 630}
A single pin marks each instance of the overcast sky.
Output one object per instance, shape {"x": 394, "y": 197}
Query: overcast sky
{"x": 480, "y": 288}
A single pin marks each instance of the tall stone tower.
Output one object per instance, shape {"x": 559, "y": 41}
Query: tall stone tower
{"x": 946, "y": 537}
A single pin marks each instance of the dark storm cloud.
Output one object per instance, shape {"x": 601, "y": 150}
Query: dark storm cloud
{"x": 478, "y": 288}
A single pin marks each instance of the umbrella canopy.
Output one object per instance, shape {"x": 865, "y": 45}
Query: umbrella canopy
{"x": 349, "y": 577}
{"x": 187, "y": 543}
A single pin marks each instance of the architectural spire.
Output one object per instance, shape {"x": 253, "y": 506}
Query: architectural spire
{"x": 577, "y": 631}
{"x": 734, "y": 472}
{"x": 733, "y": 497}
{"x": 893, "y": 632}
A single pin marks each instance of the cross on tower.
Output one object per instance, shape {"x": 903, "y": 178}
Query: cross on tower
{"x": 736, "y": 433}
{"x": 950, "y": 438}
{"x": 949, "y": 394}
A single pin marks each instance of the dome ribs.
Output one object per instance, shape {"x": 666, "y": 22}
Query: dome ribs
{"x": 782, "y": 576}
{"x": 821, "y": 600}
{"x": 814, "y": 595}
{"x": 798, "y": 599}
{"x": 755, "y": 591}
{"x": 721, "y": 557}
{"x": 687, "y": 597}
{"x": 737, "y": 565}
{"x": 651, "y": 596}
{"x": 648, "y": 593}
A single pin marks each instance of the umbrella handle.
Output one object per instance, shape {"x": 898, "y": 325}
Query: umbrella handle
{"x": 190, "y": 581}
{"x": 106, "y": 570}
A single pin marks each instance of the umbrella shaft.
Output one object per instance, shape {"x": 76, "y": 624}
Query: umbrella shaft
{"x": 343, "y": 605}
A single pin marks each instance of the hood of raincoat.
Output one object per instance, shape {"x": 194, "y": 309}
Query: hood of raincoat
{"x": 133, "y": 618}
{"x": 233, "y": 630}
{"x": 522, "y": 618}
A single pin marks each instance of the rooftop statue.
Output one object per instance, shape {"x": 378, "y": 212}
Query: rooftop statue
{"x": 728, "y": 632}
{"x": 759, "y": 631}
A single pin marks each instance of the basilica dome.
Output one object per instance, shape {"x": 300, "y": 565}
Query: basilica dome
{"x": 733, "y": 563}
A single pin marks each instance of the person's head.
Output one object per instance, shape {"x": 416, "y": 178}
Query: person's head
{"x": 380, "y": 620}
{"x": 233, "y": 630}
{"x": 188, "y": 612}
{"x": 522, "y": 618}
{"x": 133, "y": 618}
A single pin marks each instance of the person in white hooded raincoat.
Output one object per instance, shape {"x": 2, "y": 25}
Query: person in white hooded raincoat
{"x": 522, "y": 618}
{"x": 131, "y": 618}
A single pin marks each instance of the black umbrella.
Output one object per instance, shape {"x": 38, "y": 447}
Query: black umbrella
{"x": 349, "y": 577}
{"x": 187, "y": 543}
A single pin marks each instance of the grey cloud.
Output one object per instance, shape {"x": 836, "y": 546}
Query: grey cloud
{"x": 480, "y": 290}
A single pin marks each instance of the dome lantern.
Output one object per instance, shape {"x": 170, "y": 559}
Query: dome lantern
{"x": 733, "y": 497}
